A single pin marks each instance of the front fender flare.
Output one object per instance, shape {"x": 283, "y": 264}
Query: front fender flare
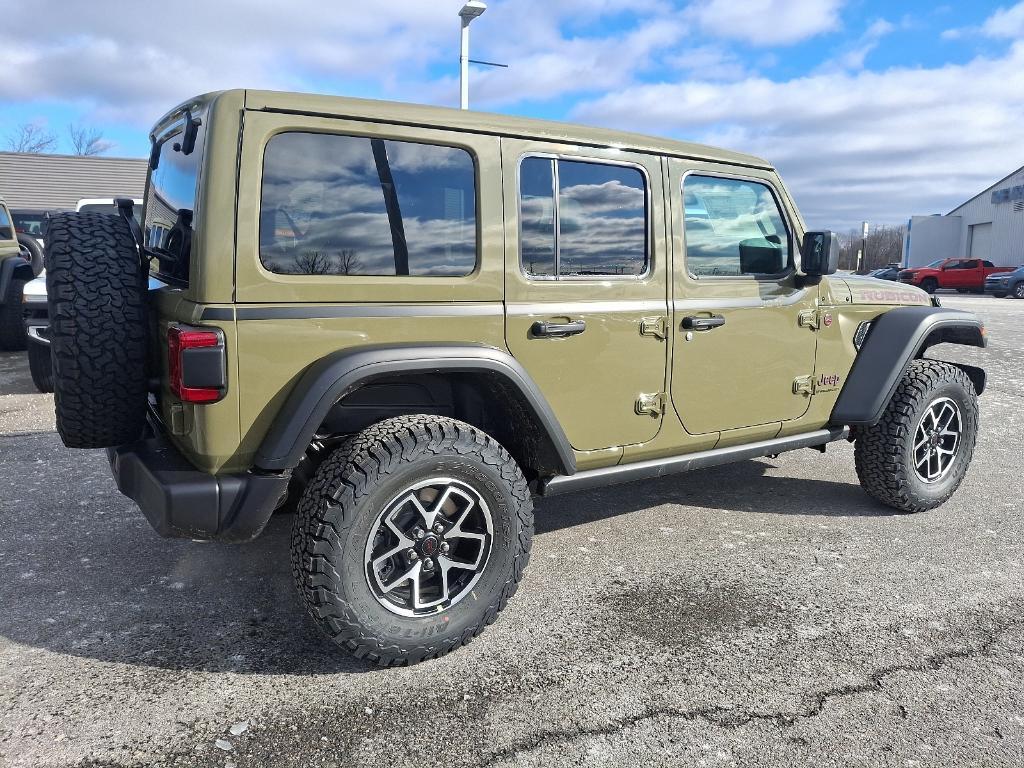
{"x": 13, "y": 268}
{"x": 896, "y": 338}
{"x": 328, "y": 380}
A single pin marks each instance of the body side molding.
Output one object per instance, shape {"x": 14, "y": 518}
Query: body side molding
{"x": 896, "y": 338}
{"x": 328, "y": 380}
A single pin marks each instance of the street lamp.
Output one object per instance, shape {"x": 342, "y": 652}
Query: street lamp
{"x": 470, "y": 11}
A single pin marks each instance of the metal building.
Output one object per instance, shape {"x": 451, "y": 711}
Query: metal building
{"x": 989, "y": 226}
{"x": 58, "y": 182}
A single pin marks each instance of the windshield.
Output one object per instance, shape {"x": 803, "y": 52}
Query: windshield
{"x": 935, "y": 264}
{"x": 171, "y": 202}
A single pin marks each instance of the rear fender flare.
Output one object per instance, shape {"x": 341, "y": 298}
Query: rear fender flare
{"x": 13, "y": 268}
{"x": 330, "y": 379}
{"x": 897, "y": 337}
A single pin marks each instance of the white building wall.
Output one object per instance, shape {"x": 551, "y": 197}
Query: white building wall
{"x": 931, "y": 237}
{"x": 1006, "y": 238}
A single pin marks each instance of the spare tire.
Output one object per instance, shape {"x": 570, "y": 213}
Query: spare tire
{"x": 96, "y": 291}
{"x": 35, "y": 251}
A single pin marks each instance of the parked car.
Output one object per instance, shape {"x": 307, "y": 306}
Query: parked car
{"x": 15, "y": 271}
{"x": 409, "y": 321}
{"x": 962, "y": 274}
{"x": 1006, "y": 284}
{"x": 31, "y": 224}
{"x": 892, "y": 272}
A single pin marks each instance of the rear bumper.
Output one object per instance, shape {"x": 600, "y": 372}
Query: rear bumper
{"x": 180, "y": 501}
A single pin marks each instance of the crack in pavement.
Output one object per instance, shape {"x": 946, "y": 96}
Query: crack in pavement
{"x": 725, "y": 717}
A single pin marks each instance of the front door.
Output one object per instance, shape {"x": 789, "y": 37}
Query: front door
{"x": 586, "y": 286}
{"x": 744, "y": 326}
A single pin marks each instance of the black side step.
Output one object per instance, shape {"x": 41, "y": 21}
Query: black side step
{"x": 653, "y": 468}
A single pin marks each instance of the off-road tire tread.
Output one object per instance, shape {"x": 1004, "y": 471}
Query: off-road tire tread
{"x": 12, "y": 318}
{"x": 40, "y": 366}
{"x": 98, "y": 329}
{"x": 330, "y": 501}
{"x": 879, "y": 449}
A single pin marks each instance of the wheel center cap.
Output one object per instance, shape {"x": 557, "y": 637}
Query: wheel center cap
{"x": 429, "y": 545}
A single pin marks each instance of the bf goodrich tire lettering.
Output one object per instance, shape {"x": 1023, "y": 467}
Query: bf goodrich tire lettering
{"x": 356, "y": 488}
{"x": 98, "y": 330}
{"x": 892, "y": 458}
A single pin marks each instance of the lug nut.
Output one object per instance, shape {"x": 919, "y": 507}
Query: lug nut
{"x": 438, "y": 528}
{"x": 445, "y": 546}
{"x": 413, "y": 555}
{"x": 419, "y": 533}
{"x": 428, "y": 564}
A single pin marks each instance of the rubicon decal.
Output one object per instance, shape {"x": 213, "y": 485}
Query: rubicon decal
{"x": 877, "y": 296}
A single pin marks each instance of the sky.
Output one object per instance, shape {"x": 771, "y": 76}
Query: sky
{"x": 870, "y": 110}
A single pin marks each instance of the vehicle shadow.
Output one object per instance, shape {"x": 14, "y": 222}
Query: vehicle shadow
{"x": 15, "y": 378}
{"x": 83, "y": 574}
{"x": 740, "y": 487}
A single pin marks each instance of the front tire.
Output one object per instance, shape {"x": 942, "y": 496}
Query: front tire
{"x": 916, "y": 456}
{"x": 1018, "y": 290}
{"x": 404, "y": 494}
{"x": 12, "y": 320}
{"x": 929, "y": 285}
{"x": 40, "y": 366}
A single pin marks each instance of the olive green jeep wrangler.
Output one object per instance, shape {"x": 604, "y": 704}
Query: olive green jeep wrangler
{"x": 405, "y": 323}
{"x": 15, "y": 271}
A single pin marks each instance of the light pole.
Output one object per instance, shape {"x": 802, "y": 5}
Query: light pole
{"x": 470, "y": 11}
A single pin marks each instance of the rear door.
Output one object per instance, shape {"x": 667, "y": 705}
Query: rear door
{"x": 744, "y": 325}
{"x": 586, "y": 286}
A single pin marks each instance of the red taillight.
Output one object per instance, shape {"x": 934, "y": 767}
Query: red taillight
{"x": 179, "y": 341}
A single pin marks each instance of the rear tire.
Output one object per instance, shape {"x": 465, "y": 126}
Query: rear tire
{"x": 372, "y": 570}
{"x": 40, "y": 366}
{"x": 98, "y": 330}
{"x": 12, "y": 318}
{"x": 915, "y": 458}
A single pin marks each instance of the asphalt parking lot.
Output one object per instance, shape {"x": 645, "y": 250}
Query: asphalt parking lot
{"x": 765, "y": 613}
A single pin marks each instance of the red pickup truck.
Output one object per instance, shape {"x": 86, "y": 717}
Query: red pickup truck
{"x": 962, "y": 274}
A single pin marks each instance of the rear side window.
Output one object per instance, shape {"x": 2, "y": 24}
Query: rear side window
{"x": 349, "y": 205}
{"x": 733, "y": 227}
{"x": 582, "y": 219}
{"x": 6, "y": 229}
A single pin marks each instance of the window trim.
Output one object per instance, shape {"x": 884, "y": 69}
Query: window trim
{"x": 355, "y": 134}
{"x": 776, "y": 277}
{"x": 558, "y": 277}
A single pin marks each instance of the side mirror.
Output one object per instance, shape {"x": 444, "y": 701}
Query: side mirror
{"x": 819, "y": 254}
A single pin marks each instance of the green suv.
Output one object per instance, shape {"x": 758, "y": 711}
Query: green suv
{"x": 406, "y": 323}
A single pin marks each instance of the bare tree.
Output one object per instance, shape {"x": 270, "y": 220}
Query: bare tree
{"x": 350, "y": 262}
{"x": 31, "y": 138}
{"x": 313, "y": 263}
{"x": 87, "y": 140}
{"x": 884, "y": 246}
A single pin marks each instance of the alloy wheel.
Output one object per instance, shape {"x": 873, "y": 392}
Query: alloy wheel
{"x": 937, "y": 440}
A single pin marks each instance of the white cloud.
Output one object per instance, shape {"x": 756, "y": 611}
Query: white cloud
{"x": 876, "y": 145}
{"x": 767, "y": 22}
{"x": 854, "y": 55}
{"x": 1005, "y": 22}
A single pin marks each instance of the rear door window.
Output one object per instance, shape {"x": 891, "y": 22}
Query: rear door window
{"x": 6, "y": 228}
{"x": 349, "y": 205}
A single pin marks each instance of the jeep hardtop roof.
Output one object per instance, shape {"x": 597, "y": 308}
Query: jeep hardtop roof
{"x": 465, "y": 120}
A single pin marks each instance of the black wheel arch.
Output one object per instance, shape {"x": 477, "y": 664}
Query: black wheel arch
{"x": 14, "y": 268}
{"x": 474, "y": 376}
{"x": 896, "y": 338}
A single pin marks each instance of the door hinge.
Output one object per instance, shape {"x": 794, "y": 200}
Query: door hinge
{"x": 803, "y": 385}
{"x": 654, "y": 326}
{"x": 808, "y": 318}
{"x": 651, "y": 405}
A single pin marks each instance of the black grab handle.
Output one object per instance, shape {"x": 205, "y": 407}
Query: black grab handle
{"x": 699, "y": 323}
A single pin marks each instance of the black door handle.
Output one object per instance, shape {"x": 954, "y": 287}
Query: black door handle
{"x": 698, "y": 323}
{"x": 548, "y": 329}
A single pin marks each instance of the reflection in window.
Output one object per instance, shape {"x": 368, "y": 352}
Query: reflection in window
{"x": 346, "y": 205}
{"x": 733, "y": 227}
{"x": 601, "y": 218}
{"x": 537, "y": 206}
{"x": 6, "y": 229}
